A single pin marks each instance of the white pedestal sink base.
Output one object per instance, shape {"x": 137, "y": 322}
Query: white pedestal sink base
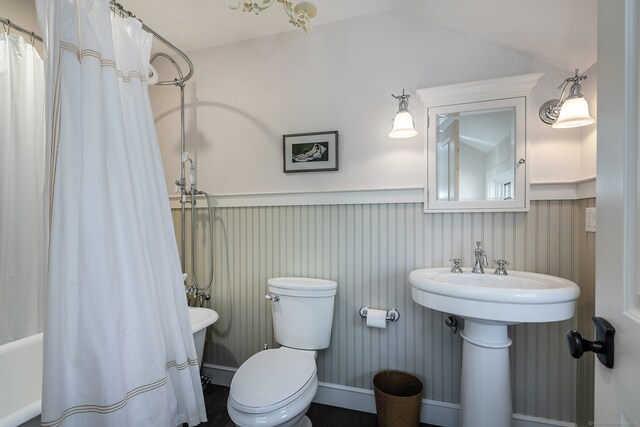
{"x": 489, "y": 303}
{"x": 485, "y": 396}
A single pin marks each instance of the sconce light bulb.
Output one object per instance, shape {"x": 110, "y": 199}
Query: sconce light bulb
{"x": 403, "y": 126}
{"x": 573, "y": 113}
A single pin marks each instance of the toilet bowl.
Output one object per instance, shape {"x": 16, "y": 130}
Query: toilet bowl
{"x": 276, "y": 387}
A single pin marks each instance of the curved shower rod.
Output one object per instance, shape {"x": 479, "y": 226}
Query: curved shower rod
{"x": 118, "y": 8}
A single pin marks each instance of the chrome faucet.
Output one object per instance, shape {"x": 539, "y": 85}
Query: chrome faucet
{"x": 196, "y": 297}
{"x": 481, "y": 259}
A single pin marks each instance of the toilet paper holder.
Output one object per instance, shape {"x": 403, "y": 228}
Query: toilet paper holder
{"x": 392, "y": 314}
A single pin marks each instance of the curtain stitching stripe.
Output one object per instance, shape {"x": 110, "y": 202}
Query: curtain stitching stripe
{"x": 80, "y": 54}
{"x": 55, "y": 137}
{"x": 181, "y": 366}
{"x": 107, "y": 409}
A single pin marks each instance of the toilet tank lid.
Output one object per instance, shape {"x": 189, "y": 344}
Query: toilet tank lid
{"x": 304, "y": 284}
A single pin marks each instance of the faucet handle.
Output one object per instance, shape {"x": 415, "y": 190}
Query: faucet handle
{"x": 272, "y": 297}
{"x": 500, "y": 271}
{"x": 456, "y": 265}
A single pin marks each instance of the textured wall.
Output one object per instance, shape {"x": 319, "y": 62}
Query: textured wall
{"x": 370, "y": 250}
{"x": 589, "y": 134}
{"x": 245, "y": 96}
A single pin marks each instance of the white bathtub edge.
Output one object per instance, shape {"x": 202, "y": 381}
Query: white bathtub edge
{"x": 209, "y": 317}
{"x": 23, "y": 415}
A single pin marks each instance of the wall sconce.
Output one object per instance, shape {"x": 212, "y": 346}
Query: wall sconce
{"x": 403, "y": 126}
{"x": 570, "y": 112}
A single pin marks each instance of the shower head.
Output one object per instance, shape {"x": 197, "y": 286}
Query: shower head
{"x": 185, "y": 157}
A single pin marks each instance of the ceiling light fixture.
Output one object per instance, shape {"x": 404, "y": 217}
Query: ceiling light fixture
{"x": 299, "y": 15}
{"x": 570, "y": 112}
{"x": 403, "y": 126}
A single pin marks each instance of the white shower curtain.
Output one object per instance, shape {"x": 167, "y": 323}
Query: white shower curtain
{"x": 118, "y": 343}
{"x": 22, "y": 139}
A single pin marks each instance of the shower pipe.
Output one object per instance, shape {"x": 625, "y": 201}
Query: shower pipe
{"x": 195, "y": 290}
{"x": 8, "y": 23}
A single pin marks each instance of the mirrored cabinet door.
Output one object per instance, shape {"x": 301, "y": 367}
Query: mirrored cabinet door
{"x": 476, "y": 145}
{"x": 474, "y": 154}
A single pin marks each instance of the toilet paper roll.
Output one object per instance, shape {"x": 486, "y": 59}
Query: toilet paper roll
{"x": 376, "y": 318}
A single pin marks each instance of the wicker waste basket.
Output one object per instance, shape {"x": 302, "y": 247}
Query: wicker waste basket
{"x": 398, "y": 399}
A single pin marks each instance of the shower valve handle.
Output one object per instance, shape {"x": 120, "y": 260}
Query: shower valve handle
{"x": 192, "y": 176}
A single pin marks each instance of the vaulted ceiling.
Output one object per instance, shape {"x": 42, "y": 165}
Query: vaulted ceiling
{"x": 562, "y": 32}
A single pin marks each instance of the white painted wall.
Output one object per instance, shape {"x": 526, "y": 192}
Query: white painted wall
{"x": 23, "y": 13}
{"x": 245, "y": 96}
{"x": 588, "y": 134}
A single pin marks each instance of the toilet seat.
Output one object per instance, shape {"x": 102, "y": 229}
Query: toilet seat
{"x": 272, "y": 379}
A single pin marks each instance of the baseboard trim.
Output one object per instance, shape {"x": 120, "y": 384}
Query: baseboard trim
{"x": 220, "y": 375}
{"x": 360, "y": 399}
{"x": 520, "y": 420}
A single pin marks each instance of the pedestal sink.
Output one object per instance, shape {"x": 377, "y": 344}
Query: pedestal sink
{"x": 489, "y": 303}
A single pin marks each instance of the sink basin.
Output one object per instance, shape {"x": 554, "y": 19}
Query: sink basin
{"x": 515, "y": 298}
{"x": 489, "y": 303}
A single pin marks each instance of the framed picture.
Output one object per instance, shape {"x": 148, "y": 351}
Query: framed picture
{"x": 310, "y": 152}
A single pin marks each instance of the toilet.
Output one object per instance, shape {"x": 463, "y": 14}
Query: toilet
{"x": 276, "y": 387}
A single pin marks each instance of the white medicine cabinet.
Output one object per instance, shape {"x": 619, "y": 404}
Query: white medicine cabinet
{"x": 477, "y": 145}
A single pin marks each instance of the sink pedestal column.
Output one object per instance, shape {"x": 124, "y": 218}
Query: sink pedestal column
{"x": 485, "y": 396}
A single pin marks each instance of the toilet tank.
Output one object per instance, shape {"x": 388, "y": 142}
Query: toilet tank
{"x": 303, "y": 312}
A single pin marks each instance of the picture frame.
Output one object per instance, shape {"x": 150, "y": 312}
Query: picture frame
{"x": 310, "y": 152}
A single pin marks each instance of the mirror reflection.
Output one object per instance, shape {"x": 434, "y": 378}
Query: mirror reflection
{"x": 475, "y": 154}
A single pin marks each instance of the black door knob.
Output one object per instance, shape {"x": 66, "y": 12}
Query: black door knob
{"x": 578, "y": 345}
{"x": 603, "y": 346}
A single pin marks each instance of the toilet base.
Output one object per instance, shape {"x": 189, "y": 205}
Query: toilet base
{"x": 304, "y": 422}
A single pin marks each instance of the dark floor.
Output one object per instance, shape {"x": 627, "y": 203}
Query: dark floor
{"x": 215, "y": 398}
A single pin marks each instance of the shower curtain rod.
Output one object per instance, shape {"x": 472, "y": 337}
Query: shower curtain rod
{"x": 118, "y": 8}
{"x": 10, "y": 24}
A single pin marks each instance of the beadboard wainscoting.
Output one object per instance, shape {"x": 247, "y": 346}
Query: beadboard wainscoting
{"x": 369, "y": 250}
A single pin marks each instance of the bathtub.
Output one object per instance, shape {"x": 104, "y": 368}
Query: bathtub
{"x": 200, "y": 319}
{"x": 21, "y": 372}
{"x": 21, "y": 382}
